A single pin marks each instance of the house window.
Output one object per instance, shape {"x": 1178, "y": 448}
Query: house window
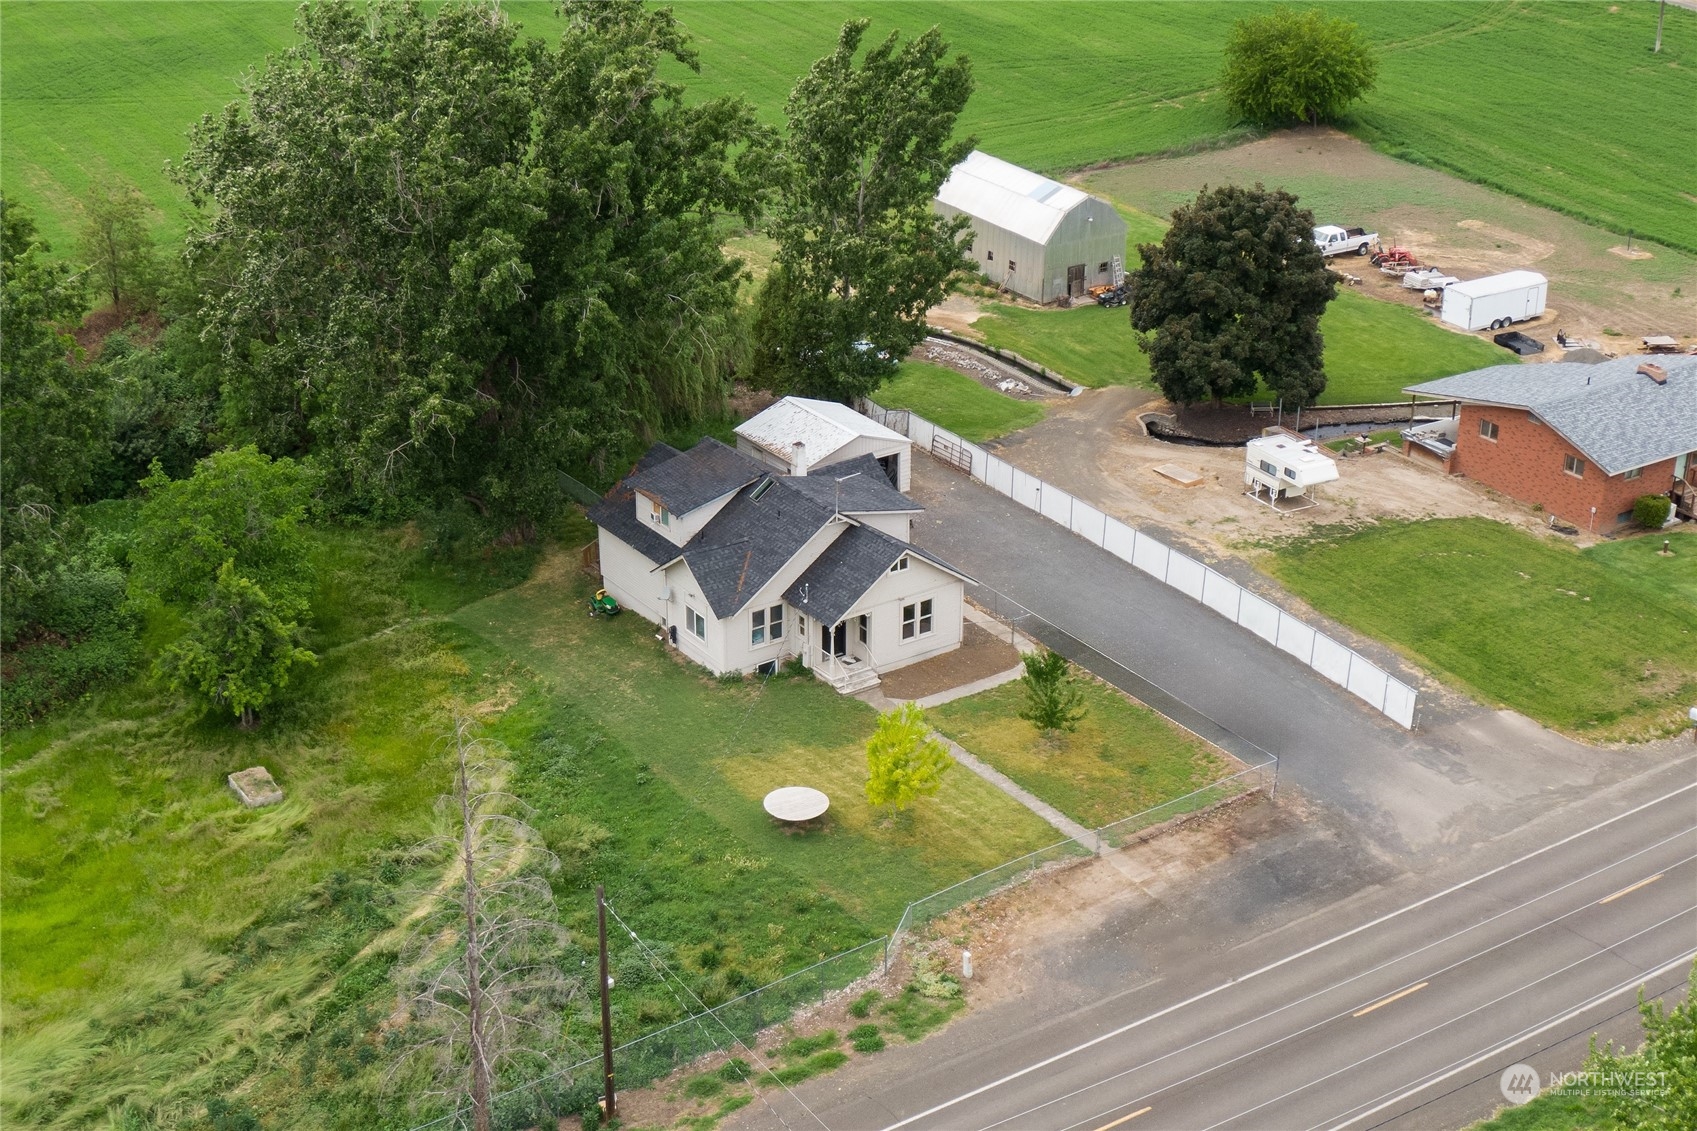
{"x": 1012, "y": 266}
{"x": 1102, "y": 267}
{"x": 990, "y": 257}
{"x": 916, "y": 620}
{"x": 766, "y": 624}
{"x": 697, "y": 623}
{"x": 1573, "y": 465}
{"x": 1488, "y": 430}
{"x": 901, "y": 564}
{"x": 1623, "y": 518}
{"x": 864, "y": 622}
{"x": 1634, "y": 473}
{"x": 661, "y": 515}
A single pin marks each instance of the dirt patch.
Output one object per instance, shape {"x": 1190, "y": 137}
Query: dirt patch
{"x": 979, "y": 656}
{"x": 1465, "y": 228}
{"x": 1093, "y": 445}
{"x": 995, "y": 375}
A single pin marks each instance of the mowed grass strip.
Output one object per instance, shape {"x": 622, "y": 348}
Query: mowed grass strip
{"x": 1373, "y": 349}
{"x": 724, "y": 745}
{"x": 955, "y": 401}
{"x": 1123, "y": 758}
{"x": 1598, "y": 642}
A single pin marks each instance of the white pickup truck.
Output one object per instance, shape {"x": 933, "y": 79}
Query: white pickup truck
{"x": 1334, "y": 240}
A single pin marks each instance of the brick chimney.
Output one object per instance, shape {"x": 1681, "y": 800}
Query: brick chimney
{"x": 798, "y": 458}
{"x": 1654, "y": 372}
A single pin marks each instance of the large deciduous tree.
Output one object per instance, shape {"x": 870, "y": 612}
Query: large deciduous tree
{"x": 861, "y": 256}
{"x": 1655, "y": 1088}
{"x": 450, "y": 259}
{"x": 1287, "y": 67}
{"x": 1234, "y": 293}
{"x": 51, "y": 433}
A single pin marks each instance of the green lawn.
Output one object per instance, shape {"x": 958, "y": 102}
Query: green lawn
{"x": 955, "y": 401}
{"x": 1373, "y": 348}
{"x": 1463, "y": 86}
{"x": 1552, "y": 1113}
{"x": 1597, "y": 642}
{"x": 1122, "y": 759}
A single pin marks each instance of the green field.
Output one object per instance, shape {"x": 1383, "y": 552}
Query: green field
{"x": 956, "y": 401}
{"x": 1597, "y": 642}
{"x": 1492, "y": 92}
{"x": 166, "y": 945}
{"x": 1373, "y": 348}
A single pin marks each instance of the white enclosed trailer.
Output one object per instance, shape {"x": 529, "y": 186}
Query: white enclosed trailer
{"x": 1495, "y": 301}
{"x": 1285, "y": 467}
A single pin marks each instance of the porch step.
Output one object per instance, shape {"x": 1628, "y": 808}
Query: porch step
{"x": 853, "y": 679}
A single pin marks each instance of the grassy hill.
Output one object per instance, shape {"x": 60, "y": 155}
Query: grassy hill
{"x": 1561, "y": 104}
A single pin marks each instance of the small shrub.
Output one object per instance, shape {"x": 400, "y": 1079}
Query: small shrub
{"x": 866, "y": 1038}
{"x": 915, "y": 1015}
{"x": 735, "y": 1070}
{"x": 704, "y": 1087}
{"x": 813, "y": 1066}
{"x": 862, "y": 1005}
{"x": 930, "y": 980}
{"x": 801, "y": 1047}
{"x": 1651, "y": 511}
{"x": 1053, "y": 701}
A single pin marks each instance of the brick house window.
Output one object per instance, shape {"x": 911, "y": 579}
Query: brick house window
{"x": 1634, "y": 473}
{"x": 1488, "y": 430}
{"x": 1573, "y": 465}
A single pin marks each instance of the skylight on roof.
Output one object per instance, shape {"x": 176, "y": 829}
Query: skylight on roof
{"x": 764, "y": 486}
{"x": 1045, "y": 190}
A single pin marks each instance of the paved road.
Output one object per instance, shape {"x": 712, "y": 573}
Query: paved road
{"x": 1397, "y": 1006}
{"x": 1464, "y": 777}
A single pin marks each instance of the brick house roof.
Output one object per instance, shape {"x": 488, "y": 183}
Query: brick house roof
{"x": 1618, "y": 417}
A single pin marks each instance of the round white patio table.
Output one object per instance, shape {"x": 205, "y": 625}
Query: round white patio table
{"x": 794, "y": 804}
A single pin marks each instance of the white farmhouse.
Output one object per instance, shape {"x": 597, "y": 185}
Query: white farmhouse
{"x": 1034, "y": 236}
{"x": 797, "y": 436}
{"x": 744, "y": 567}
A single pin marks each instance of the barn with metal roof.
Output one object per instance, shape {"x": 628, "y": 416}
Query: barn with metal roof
{"x": 1034, "y": 236}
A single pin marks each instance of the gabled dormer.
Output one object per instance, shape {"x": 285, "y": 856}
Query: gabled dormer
{"x": 676, "y": 497}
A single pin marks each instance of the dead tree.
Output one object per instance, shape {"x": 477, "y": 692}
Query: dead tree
{"x": 484, "y": 981}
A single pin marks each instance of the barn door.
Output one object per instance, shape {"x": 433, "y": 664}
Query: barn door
{"x": 1075, "y": 281}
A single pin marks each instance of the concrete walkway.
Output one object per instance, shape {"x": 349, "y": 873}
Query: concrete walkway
{"x": 1066, "y": 825}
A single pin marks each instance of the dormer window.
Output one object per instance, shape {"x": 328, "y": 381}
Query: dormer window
{"x": 660, "y": 515}
{"x": 901, "y": 564}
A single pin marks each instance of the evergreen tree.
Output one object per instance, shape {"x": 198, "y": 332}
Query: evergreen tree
{"x": 1053, "y": 701}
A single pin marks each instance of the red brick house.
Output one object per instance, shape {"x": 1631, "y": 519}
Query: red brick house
{"x": 1582, "y": 441}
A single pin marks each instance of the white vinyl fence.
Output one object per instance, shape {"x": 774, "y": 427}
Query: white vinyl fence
{"x": 1337, "y": 662}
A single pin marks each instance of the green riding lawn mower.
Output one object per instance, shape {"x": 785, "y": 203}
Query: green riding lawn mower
{"x": 603, "y": 604}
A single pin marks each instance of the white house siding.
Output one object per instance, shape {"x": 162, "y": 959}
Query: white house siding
{"x": 878, "y": 449}
{"x": 631, "y": 578}
{"x": 883, "y": 603}
{"x": 682, "y": 527}
{"x": 894, "y": 523}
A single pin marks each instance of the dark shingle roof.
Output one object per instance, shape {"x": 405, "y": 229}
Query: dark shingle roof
{"x": 697, "y": 476}
{"x": 616, "y": 512}
{"x": 749, "y": 541}
{"x": 850, "y": 566}
{"x": 762, "y": 527}
{"x": 1616, "y": 416}
{"x": 867, "y": 492}
{"x": 843, "y": 573}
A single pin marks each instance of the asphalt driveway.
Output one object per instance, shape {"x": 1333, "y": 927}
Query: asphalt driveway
{"x": 1466, "y": 774}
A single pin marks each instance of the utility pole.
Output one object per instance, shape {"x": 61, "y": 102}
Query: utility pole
{"x": 1660, "y": 12}
{"x": 606, "y": 1004}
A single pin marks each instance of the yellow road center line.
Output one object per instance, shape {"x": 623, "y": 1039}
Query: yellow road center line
{"x": 1386, "y": 1001}
{"x": 1125, "y": 1118}
{"x": 1630, "y": 889}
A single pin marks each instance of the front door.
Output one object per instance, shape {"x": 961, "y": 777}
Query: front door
{"x": 834, "y": 642}
{"x": 1075, "y": 281}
